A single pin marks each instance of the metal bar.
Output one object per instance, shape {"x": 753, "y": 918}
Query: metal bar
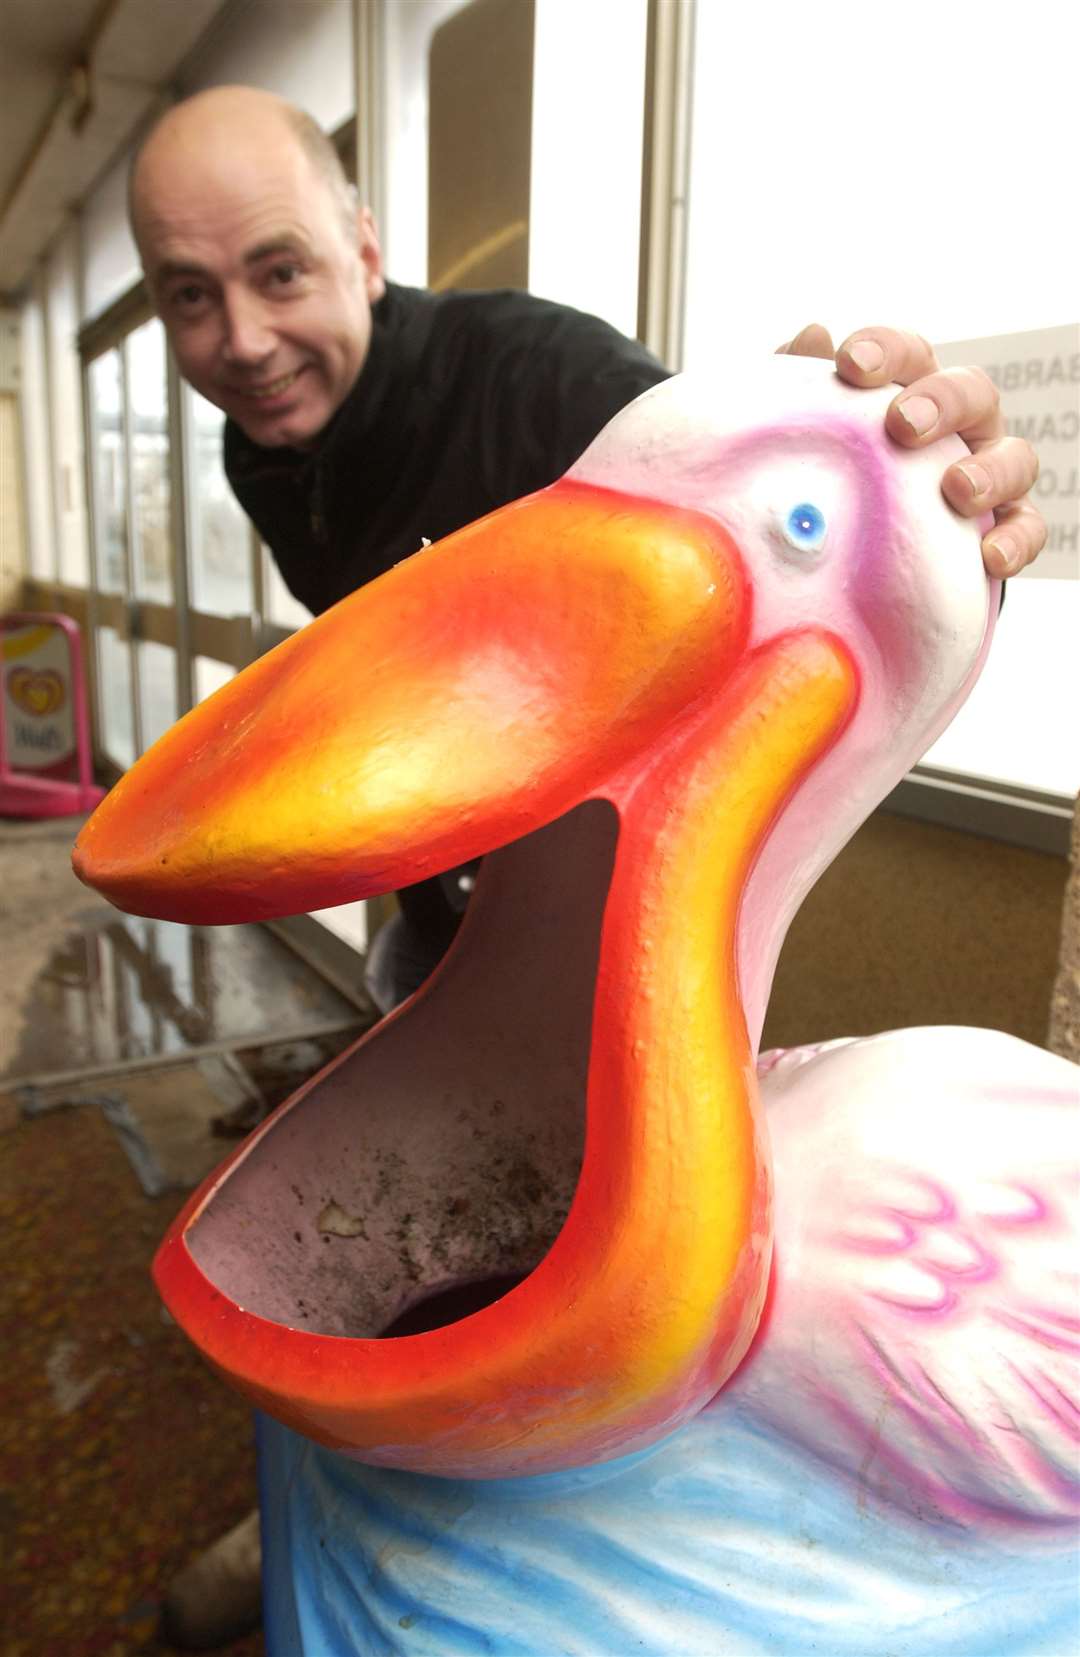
{"x": 224, "y": 638}
{"x": 132, "y": 630}
{"x": 112, "y": 326}
{"x": 665, "y": 178}
{"x": 163, "y": 1061}
{"x": 50, "y": 418}
{"x": 369, "y": 78}
{"x": 333, "y": 958}
{"x": 258, "y": 592}
{"x": 94, "y": 519}
{"x": 181, "y": 480}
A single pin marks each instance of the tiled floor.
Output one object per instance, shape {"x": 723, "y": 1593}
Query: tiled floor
{"x": 121, "y": 1455}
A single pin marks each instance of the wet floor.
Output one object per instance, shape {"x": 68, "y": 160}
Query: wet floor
{"x": 118, "y": 989}
{"x": 84, "y": 988}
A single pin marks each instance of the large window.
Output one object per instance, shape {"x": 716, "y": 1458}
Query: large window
{"x": 65, "y": 409}
{"x": 404, "y": 78}
{"x": 847, "y": 181}
{"x": 152, "y": 574}
{"x": 34, "y": 405}
{"x": 221, "y": 540}
{"x": 135, "y": 636}
{"x": 585, "y": 205}
{"x": 941, "y": 206}
{"x": 108, "y": 465}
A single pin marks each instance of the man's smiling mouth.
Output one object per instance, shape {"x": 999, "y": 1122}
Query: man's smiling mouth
{"x": 271, "y": 388}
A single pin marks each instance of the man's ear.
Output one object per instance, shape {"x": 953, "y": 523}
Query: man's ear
{"x": 367, "y": 241}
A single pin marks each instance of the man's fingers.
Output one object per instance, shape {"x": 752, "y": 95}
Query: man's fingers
{"x": 811, "y": 341}
{"x": 962, "y": 400}
{"x": 1015, "y": 540}
{"x": 996, "y": 479}
{"x": 883, "y": 356}
{"x": 938, "y": 402}
{"x": 999, "y": 471}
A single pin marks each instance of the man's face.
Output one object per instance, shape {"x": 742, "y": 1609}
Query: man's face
{"x": 264, "y": 289}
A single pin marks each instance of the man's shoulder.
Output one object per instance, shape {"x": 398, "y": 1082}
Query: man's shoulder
{"x": 506, "y": 317}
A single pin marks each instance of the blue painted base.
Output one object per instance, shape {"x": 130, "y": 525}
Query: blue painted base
{"x": 720, "y": 1540}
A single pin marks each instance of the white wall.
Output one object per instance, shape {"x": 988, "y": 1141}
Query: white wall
{"x": 300, "y": 49}
{"x": 404, "y": 226}
{"x": 110, "y": 258}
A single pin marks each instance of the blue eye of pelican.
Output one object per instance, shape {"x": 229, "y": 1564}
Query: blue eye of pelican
{"x": 804, "y": 527}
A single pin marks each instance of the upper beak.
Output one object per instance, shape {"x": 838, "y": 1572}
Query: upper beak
{"x": 473, "y": 693}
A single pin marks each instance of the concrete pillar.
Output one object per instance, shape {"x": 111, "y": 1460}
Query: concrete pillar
{"x": 1064, "y": 1035}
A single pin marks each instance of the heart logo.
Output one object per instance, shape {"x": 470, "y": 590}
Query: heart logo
{"x": 36, "y": 691}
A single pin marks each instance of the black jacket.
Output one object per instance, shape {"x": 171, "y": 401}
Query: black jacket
{"x": 466, "y": 401}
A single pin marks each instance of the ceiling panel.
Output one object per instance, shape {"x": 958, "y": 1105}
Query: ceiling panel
{"x": 40, "y": 43}
{"x": 57, "y": 137}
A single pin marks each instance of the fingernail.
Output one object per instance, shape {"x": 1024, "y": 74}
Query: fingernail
{"x": 867, "y": 355}
{"x": 921, "y": 413}
{"x": 1008, "y": 554}
{"x": 977, "y": 476}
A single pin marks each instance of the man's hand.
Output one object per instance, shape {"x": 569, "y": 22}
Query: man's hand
{"x": 936, "y": 400}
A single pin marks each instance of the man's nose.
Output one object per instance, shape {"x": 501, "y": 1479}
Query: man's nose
{"x": 249, "y": 338}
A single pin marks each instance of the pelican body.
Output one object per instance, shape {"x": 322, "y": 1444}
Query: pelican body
{"x": 574, "y": 1325}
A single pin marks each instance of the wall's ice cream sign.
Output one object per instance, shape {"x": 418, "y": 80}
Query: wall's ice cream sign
{"x": 38, "y": 724}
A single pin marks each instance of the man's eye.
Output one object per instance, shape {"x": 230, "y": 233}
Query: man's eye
{"x": 284, "y": 276}
{"x": 189, "y": 297}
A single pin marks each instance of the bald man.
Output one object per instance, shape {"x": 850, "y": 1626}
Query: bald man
{"x": 364, "y": 418}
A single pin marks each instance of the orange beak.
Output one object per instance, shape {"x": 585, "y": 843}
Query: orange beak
{"x": 472, "y": 694}
{"x": 582, "y": 642}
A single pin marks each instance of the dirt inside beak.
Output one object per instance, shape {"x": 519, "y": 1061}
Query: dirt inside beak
{"x": 432, "y": 1167}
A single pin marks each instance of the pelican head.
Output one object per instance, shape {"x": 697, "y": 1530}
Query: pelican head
{"x": 657, "y": 697}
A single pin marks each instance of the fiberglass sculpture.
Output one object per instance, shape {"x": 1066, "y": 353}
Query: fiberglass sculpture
{"x": 709, "y": 1354}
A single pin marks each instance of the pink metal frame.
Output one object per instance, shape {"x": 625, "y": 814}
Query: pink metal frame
{"x": 22, "y": 794}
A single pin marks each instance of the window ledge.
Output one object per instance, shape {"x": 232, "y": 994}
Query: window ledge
{"x": 984, "y": 806}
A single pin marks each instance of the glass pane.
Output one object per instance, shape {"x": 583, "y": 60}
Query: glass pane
{"x": 110, "y": 495}
{"x": 147, "y": 389}
{"x": 281, "y": 606}
{"x": 220, "y": 533}
{"x": 65, "y": 406}
{"x": 210, "y": 675}
{"x": 157, "y": 689}
{"x": 114, "y": 682}
{"x": 787, "y": 220}
{"x": 405, "y": 134}
{"x": 585, "y": 194}
{"x": 35, "y": 417}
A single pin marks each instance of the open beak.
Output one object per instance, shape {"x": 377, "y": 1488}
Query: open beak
{"x": 584, "y": 1047}
{"x": 472, "y": 694}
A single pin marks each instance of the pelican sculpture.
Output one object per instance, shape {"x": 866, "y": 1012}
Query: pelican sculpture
{"x": 573, "y": 1325}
